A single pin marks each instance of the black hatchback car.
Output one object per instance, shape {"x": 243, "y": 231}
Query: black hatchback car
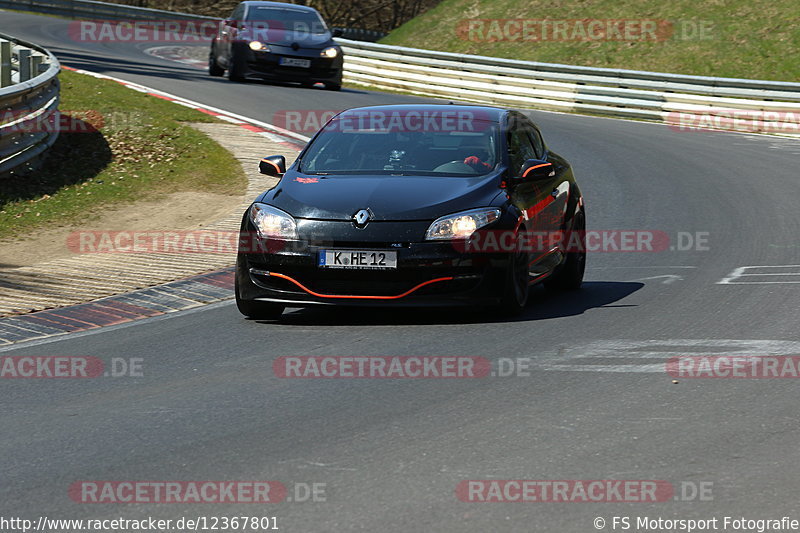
{"x": 276, "y": 41}
{"x": 413, "y": 205}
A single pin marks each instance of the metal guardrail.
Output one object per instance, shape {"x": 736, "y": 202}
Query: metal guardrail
{"x": 357, "y": 34}
{"x": 29, "y": 96}
{"x": 610, "y": 92}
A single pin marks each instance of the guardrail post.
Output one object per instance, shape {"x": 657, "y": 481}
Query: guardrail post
{"x": 5, "y": 63}
{"x": 25, "y": 72}
{"x": 36, "y": 64}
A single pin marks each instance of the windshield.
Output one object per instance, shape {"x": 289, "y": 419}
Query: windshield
{"x": 292, "y": 20}
{"x": 347, "y": 147}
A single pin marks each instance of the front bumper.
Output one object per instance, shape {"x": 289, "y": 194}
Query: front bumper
{"x": 427, "y": 274}
{"x": 266, "y": 65}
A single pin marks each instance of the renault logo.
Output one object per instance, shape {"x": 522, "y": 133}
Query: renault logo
{"x": 362, "y": 218}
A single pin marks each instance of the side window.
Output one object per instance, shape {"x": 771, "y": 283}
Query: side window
{"x": 538, "y": 144}
{"x": 520, "y": 147}
{"x": 238, "y": 13}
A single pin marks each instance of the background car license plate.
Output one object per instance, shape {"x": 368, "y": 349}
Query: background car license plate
{"x": 377, "y": 259}
{"x": 294, "y": 62}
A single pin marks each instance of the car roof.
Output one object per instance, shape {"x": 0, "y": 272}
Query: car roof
{"x": 279, "y": 5}
{"x": 487, "y": 113}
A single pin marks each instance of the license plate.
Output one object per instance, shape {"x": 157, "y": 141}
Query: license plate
{"x": 358, "y": 259}
{"x": 294, "y": 62}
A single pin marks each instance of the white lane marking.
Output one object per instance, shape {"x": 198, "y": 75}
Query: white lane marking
{"x": 229, "y": 119}
{"x": 651, "y": 369}
{"x": 668, "y": 278}
{"x": 648, "y": 266}
{"x": 187, "y": 104}
{"x": 608, "y": 355}
{"x": 740, "y": 273}
{"x": 270, "y": 136}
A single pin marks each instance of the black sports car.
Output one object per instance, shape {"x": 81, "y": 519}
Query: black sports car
{"x": 277, "y": 41}
{"x": 413, "y": 205}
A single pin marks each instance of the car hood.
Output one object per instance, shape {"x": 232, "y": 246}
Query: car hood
{"x": 389, "y": 198}
{"x": 287, "y": 38}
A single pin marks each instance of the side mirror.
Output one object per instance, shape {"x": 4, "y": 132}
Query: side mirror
{"x": 274, "y": 165}
{"x": 337, "y": 32}
{"x": 232, "y": 23}
{"x": 536, "y": 169}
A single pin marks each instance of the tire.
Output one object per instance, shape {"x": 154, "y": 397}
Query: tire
{"x": 333, "y": 86}
{"x": 515, "y": 285}
{"x": 257, "y": 310}
{"x": 213, "y": 68}
{"x": 569, "y": 275}
{"x": 236, "y": 67}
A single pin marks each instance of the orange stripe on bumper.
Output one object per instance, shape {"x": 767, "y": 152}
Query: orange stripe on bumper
{"x": 355, "y": 297}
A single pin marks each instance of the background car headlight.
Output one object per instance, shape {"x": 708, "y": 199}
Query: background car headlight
{"x": 258, "y": 46}
{"x": 331, "y": 52}
{"x": 461, "y": 225}
{"x": 272, "y": 223}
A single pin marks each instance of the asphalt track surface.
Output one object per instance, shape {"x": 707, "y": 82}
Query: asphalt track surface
{"x": 391, "y": 452}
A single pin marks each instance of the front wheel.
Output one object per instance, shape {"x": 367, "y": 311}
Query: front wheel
{"x": 213, "y": 68}
{"x": 569, "y": 276}
{"x": 333, "y": 86}
{"x": 236, "y": 67}
{"x": 517, "y": 281}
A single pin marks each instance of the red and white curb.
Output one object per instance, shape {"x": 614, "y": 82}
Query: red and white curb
{"x": 269, "y": 131}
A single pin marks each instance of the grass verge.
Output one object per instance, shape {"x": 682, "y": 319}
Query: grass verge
{"x": 727, "y": 38}
{"x": 122, "y": 146}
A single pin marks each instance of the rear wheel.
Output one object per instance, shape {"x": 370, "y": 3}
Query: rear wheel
{"x": 333, "y": 86}
{"x": 213, "y": 68}
{"x": 257, "y": 310}
{"x": 569, "y": 276}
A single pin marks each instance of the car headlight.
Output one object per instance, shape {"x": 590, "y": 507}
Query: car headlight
{"x": 461, "y": 225}
{"x": 258, "y": 46}
{"x": 272, "y": 223}
{"x": 330, "y": 52}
